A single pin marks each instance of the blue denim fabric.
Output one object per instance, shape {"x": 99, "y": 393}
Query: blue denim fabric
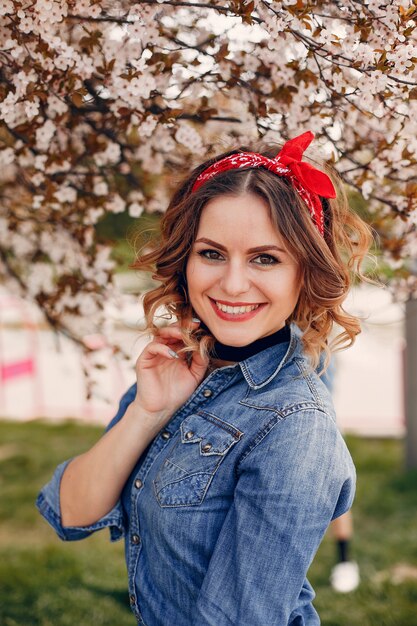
{"x": 234, "y": 497}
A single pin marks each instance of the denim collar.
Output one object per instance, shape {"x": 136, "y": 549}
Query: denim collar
{"x": 261, "y": 368}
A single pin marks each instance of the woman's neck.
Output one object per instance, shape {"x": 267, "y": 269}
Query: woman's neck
{"x": 235, "y": 354}
{"x": 223, "y": 355}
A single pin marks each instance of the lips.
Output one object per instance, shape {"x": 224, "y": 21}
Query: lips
{"x": 236, "y": 315}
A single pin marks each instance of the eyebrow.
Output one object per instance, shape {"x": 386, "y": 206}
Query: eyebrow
{"x": 210, "y": 242}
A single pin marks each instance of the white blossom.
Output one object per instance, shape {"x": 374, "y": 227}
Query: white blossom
{"x": 367, "y": 188}
{"x": 37, "y": 201}
{"x": 413, "y": 217}
{"x": 100, "y": 187}
{"x": 40, "y": 278}
{"x": 148, "y": 126}
{"x": 66, "y": 194}
{"x": 115, "y": 204}
{"x": 85, "y": 8}
{"x": 39, "y": 161}
{"x": 110, "y": 155}
{"x": 32, "y": 108}
{"x": 7, "y": 156}
{"x": 26, "y": 25}
{"x": 93, "y": 215}
{"x": 56, "y": 106}
{"x": 44, "y": 135}
{"x": 6, "y": 7}
{"x": 87, "y": 303}
{"x": 135, "y": 209}
{"x": 189, "y": 137}
{"x": 37, "y": 179}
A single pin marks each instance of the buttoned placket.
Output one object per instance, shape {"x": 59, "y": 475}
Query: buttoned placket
{"x": 211, "y": 386}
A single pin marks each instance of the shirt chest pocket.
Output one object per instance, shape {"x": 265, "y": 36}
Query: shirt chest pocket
{"x": 188, "y": 470}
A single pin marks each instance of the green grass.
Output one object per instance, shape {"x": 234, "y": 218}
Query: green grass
{"x": 44, "y": 582}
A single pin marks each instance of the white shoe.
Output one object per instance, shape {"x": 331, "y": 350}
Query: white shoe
{"x": 345, "y": 577}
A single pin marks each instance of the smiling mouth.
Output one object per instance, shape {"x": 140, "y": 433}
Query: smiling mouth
{"x": 237, "y": 310}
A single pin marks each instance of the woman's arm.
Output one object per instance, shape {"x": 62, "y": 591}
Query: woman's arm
{"x": 291, "y": 483}
{"x": 92, "y": 482}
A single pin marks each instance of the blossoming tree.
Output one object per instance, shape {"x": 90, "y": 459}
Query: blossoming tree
{"x": 102, "y": 102}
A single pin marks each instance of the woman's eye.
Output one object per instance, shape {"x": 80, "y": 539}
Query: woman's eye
{"x": 266, "y": 259}
{"x": 261, "y": 259}
{"x": 212, "y": 255}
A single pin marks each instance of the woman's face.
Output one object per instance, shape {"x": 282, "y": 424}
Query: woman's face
{"x": 242, "y": 282}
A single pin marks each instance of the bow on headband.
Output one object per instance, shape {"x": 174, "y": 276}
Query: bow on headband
{"x": 309, "y": 182}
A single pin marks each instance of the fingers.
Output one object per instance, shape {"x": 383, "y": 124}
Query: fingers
{"x": 156, "y": 350}
{"x": 172, "y": 333}
{"x": 198, "y": 366}
{"x": 169, "y": 339}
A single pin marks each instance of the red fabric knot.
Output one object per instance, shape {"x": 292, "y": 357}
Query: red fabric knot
{"x": 309, "y": 182}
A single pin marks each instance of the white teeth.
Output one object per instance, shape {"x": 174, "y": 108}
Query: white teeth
{"x": 235, "y": 310}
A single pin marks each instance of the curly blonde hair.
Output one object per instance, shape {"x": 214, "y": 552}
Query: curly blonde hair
{"x": 329, "y": 265}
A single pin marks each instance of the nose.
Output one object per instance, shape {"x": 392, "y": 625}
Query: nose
{"x": 234, "y": 280}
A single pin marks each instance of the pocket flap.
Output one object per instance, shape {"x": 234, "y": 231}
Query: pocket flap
{"x": 214, "y": 435}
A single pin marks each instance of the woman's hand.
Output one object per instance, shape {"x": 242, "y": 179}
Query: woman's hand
{"x": 165, "y": 380}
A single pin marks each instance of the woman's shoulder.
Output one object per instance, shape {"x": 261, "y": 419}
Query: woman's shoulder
{"x": 304, "y": 446}
{"x": 296, "y": 415}
{"x": 295, "y": 388}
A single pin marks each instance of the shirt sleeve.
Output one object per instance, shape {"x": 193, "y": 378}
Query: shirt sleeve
{"x": 291, "y": 483}
{"x": 48, "y": 500}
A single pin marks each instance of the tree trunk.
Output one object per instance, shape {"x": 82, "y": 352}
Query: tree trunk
{"x": 410, "y": 382}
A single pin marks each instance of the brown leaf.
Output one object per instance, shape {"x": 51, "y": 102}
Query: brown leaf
{"x": 77, "y": 99}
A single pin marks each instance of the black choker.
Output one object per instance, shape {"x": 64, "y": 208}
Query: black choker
{"x": 232, "y": 353}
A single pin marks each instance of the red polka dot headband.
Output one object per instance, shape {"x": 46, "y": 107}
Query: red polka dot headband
{"x": 309, "y": 182}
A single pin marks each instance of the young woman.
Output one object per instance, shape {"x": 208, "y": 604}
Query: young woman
{"x": 223, "y": 466}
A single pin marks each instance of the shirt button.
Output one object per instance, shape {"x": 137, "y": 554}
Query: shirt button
{"x": 135, "y": 539}
{"x": 189, "y": 434}
{"x": 132, "y": 599}
{"x": 165, "y": 434}
{"x": 207, "y": 393}
{"x": 138, "y": 483}
{"x": 207, "y": 447}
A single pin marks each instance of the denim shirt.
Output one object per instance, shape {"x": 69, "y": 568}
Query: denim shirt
{"x": 225, "y": 509}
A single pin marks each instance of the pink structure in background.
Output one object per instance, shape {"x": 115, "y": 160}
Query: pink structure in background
{"x": 41, "y": 372}
{"x": 18, "y": 368}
